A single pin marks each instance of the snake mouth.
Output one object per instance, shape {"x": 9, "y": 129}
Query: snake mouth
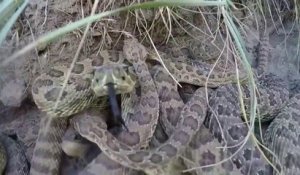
{"x": 117, "y": 87}
{"x": 110, "y": 84}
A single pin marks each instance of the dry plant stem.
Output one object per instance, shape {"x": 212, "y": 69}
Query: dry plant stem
{"x": 235, "y": 35}
{"x": 76, "y": 55}
{"x": 252, "y": 85}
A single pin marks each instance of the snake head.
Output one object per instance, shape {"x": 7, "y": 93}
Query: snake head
{"x": 114, "y": 74}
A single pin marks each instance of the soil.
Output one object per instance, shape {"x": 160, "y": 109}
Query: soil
{"x": 18, "y": 113}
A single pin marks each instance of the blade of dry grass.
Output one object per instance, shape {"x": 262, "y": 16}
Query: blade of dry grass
{"x": 75, "y": 25}
{"x": 251, "y": 83}
{"x": 76, "y": 56}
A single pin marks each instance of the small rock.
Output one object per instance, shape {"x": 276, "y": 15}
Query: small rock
{"x": 13, "y": 93}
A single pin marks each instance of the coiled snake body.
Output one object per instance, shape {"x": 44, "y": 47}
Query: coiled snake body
{"x": 12, "y": 157}
{"x": 78, "y": 95}
{"x": 272, "y": 95}
{"x": 184, "y": 125}
{"x": 189, "y": 119}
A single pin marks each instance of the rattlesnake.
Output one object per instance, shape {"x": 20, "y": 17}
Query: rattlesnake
{"x": 12, "y": 157}
{"x": 224, "y": 121}
{"x": 42, "y": 95}
{"x": 45, "y": 90}
{"x": 271, "y": 100}
{"x": 282, "y": 137}
{"x": 123, "y": 146}
{"x": 168, "y": 88}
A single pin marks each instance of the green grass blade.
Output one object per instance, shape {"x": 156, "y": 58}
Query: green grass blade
{"x": 9, "y": 16}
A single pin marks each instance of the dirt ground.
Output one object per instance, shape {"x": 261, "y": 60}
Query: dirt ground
{"x": 18, "y": 113}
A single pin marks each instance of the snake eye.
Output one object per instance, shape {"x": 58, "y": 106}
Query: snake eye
{"x": 123, "y": 78}
{"x": 97, "y": 80}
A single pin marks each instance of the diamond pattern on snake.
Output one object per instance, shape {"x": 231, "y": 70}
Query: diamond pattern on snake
{"x": 184, "y": 123}
{"x": 273, "y": 95}
{"x": 78, "y": 95}
{"x": 46, "y": 158}
{"x": 151, "y": 161}
{"x": 225, "y": 123}
{"x": 282, "y": 137}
